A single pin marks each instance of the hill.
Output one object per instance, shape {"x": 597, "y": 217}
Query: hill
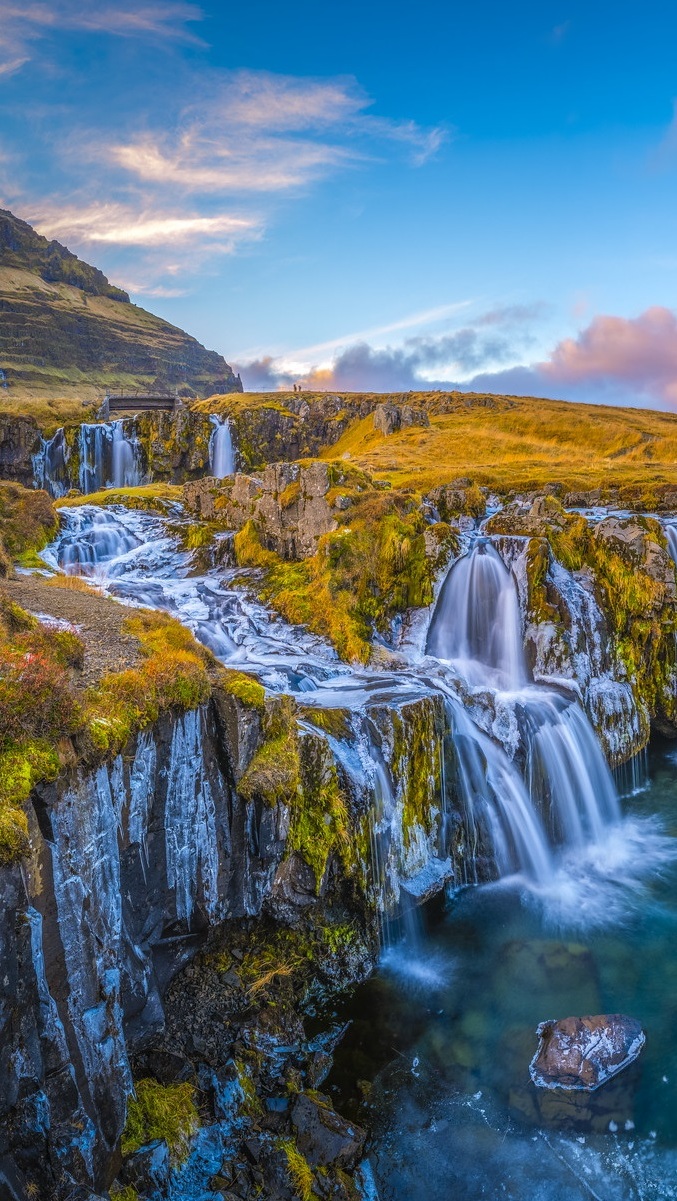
{"x": 66, "y": 332}
{"x": 502, "y": 442}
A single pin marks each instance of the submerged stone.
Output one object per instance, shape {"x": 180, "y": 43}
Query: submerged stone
{"x": 583, "y": 1053}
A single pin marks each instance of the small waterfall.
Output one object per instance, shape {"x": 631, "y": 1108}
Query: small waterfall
{"x": 477, "y": 623}
{"x": 109, "y": 457}
{"x": 497, "y": 804}
{"x": 221, "y": 450}
{"x": 568, "y": 776}
{"x": 91, "y": 538}
{"x": 565, "y": 792}
{"x": 671, "y": 535}
{"x": 50, "y": 465}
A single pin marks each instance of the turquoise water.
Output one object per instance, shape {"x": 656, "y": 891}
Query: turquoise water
{"x": 436, "y": 1060}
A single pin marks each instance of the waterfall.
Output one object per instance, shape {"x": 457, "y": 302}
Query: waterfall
{"x": 109, "y": 457}
{"x": 221, "y": 450}
{"x": 50, "y": 465}
{"x": 563, "y": 792}
{"x": 477, "y": 623}
{"x": 496, "y": 801}
{"x": 91, "y": 538}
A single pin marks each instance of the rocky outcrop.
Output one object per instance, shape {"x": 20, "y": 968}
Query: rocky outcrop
{"x": 19, "y": 442}
{"x": 291, "y": 505}
{"x": 600, "y": 611}
{"x": 130, "y": 936}
{"x": 286, "y": 426}
{"x": 391, "y": 418}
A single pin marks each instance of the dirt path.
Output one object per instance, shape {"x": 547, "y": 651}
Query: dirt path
{"x": 99, "y": 621}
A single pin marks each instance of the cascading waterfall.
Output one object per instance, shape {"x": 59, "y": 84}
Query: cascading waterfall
{"x": 221, "y": 450}
{"x": 566, "y": 787}
{"x": 545, "y": 785}
{"x": 477, "y": 623}
{"x": 50, "y": 465}
{"x": 109, "y": 457}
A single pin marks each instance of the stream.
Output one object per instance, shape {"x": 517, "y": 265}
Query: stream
{"x": 435, "y": 1060}
{"x": 581, "y": 918}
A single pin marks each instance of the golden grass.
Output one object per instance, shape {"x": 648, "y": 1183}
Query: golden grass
{"x": 145, "y": 496}
{"x": 73, "y": 583}
{"x": 521, "y": 442}
{"x": 280, "y": 972}
{"x": 48, "y": 413}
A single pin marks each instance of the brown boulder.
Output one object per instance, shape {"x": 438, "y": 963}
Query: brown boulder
{"x": 583, "y": 1053}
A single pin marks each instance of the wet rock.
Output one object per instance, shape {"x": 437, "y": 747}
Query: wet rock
{"x": 583, "y": 1053}
{"x": 19, "y": 441}
{"x": 323, "y": 1136}
{"x": 148, "y": 1169}
{"x": 638, "y": 542}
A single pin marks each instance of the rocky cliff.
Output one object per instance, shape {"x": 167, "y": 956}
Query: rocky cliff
{"x": 66, "y": 331}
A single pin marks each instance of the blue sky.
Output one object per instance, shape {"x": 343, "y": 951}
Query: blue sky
{"x": 366, "y": 195}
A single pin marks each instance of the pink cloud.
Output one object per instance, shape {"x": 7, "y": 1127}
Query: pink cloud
{"x": 613, "y": 360}
{"x": 635, "y": 352}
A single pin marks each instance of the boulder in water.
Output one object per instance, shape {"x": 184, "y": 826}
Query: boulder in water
{"x": 583, "y": 1053}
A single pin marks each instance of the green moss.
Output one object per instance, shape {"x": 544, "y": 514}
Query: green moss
{"x": 28, "y": 521}
{"x": 290, "y": 495}
{"x": 161, "y": 1111}
{"x": 251, "y": 1104}
{"x": 157, "y": 497}
{"x": 320, "y": 824}
{"x": 417, "y": 765}
{"x": 244, "y": 687}
{"x": 273, "y": 774}
{"x": 335, "y": 722}
{"x": 13, "y": 834}
{"x": 125, "y": 1193}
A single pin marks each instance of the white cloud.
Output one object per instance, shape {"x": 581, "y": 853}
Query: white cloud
{"x": 122, "y": 225}
{"x": 259, "y": 132}
{"x": 495, "y": 338}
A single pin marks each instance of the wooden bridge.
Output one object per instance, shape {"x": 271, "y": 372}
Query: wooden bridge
{"x": 138, "y": 402}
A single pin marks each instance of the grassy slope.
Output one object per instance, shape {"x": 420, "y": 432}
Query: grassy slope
{"x": 498, "y": 441}
{"x": 523, "y": 442}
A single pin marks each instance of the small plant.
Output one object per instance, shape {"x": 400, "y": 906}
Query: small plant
{"x": 161, "y": 1111}
{"x": 300, "y": 1171}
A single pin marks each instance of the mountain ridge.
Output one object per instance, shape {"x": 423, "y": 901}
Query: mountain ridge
{"x": 67, "y": 332}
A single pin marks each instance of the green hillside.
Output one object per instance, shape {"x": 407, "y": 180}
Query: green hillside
{"x": 66, "y": 332}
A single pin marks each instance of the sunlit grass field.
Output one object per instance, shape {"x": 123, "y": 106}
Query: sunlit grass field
{"x": 518, "y": 443}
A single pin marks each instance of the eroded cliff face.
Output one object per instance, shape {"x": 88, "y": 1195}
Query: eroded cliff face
{"x": 211, "y": 826}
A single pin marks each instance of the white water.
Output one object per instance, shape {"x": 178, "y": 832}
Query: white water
{"x": 50, "y": 465}
{"x": 221, "y": 450}
{"x": 564, "y": 793}
{"x": 533, "y": 785}
{"x": 109, "y": 457}
{"x": 477, "y": 625}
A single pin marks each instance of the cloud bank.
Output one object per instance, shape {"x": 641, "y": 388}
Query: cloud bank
{"x": 613, "y": 360}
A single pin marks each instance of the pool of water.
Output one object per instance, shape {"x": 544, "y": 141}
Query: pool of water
{"x": 436, "y": 1059}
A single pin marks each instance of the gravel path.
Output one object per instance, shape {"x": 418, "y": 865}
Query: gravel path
{"x": 99, "y": 621}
